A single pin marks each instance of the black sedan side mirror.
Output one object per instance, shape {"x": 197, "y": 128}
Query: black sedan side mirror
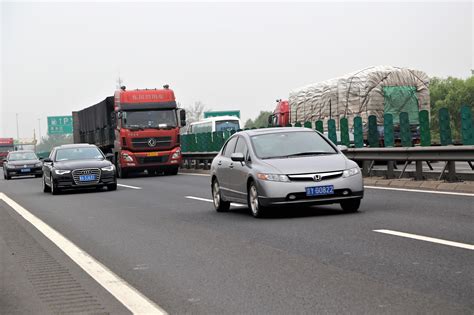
{"x": 237, "y": 157}
{"x": 109, "y": 157}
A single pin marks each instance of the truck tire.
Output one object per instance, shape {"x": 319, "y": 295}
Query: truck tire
{"x": 172, "y": 171}
{"x": 121, "y": 173}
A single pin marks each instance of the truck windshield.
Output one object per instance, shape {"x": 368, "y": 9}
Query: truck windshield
{"x": 227, "y": 125}
{"x": 150, "y": 119}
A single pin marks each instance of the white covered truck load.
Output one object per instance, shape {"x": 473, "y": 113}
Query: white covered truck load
{"x": 371, "y": 91}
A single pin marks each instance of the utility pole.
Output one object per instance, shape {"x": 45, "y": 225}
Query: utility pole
{"x": 17, "y": 130}
{"x": 39, "y": 128}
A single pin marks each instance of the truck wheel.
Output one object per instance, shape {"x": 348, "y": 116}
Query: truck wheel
{"x": 172, "y": 171}
{"x": 121, "y": 173}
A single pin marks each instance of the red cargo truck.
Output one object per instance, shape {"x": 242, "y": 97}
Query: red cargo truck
{"x": 281, "y": 115}
{"x": 6, "y": 145}
{"x": 138, "y": 129}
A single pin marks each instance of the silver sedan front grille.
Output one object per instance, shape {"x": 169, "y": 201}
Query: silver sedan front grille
{"x": 86, "y": 171}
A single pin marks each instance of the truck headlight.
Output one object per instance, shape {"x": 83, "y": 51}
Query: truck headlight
{"x": 350, "y": 172}
{"x": 177, "y": 154}
{"x": 127, "y": 157}
{"x": 110, "y": 168}
{"x": 273, "y": 177}
{"x": 62, "y": 172}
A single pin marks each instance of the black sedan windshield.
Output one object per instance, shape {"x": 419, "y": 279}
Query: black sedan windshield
{"x": 22, "y": 156}
{"x": 150, "y": 119}
{"x": 86, "y": 153}
{"x": 287, "y": 144}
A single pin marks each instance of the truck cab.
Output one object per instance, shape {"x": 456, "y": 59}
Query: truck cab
{"x": 6, "y": 145}
{"x": 147, "y": 131}
{"x": 281, "y": 114}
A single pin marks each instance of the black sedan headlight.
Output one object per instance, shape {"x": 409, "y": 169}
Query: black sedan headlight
{"x": 110, "y": 168}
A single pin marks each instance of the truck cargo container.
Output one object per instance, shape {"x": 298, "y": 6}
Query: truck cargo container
{"x": 139, "y": 129}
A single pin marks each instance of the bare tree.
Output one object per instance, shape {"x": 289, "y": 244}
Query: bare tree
{"x": 195, "y": 112}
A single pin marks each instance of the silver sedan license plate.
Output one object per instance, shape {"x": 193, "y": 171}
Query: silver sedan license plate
{"x": 320, "y": 191}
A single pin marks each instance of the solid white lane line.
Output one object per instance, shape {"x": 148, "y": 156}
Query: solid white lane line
{"x": 194, "y": 174}
{"x": 132, "y": 299}
{"x": 128, "y": 186}
{"x": 427, "y": 239}
{"x": 210, "y": 200}
{"x": 423, "y": 191}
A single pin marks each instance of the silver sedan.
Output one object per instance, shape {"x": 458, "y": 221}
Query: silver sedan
{"x": 284, "y": 166}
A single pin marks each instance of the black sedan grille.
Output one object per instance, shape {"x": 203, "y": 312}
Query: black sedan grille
{"x": 86, "y": 171}
{"x": 158, "y": 142}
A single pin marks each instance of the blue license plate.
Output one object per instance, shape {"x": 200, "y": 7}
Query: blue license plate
{"x": 320, "y": 191}
{"x": 86, "y": 178}
{"x": 26, "y": 170}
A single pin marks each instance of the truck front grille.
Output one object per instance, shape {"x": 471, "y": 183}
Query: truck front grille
{"x": 86, "y": 171}
{"x": 158, "y": 142}
{"x": 153, "y": 159}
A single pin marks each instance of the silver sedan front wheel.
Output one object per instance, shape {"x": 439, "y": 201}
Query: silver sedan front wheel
{"x": 219, "y": 204}
{"x": 257, "y": 209}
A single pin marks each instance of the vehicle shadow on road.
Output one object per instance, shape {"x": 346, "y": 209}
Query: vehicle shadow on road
{"x": 294, "y": 212}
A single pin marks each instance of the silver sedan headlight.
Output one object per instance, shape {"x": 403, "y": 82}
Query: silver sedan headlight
{"x": 39, "y": 164}
{"x": 110, "y": 168}
{"x": 273, "y": 177}
{"x": 10, "y": 166}
{"x": 350, "y": 172}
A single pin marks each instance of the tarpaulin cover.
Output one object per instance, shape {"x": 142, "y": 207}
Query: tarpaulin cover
{"x": 360, "y": 93}
{"x": 97, "y": 116}
{"x": 399, "y": 99}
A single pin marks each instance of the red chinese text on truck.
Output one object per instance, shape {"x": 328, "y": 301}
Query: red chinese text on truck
{"x": 139, "y": 129}
{"x": 6, "y": 145}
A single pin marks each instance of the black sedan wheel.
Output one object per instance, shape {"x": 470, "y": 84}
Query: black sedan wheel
{"x": 54, "y": 189}
{"x": 46, "y": 188}
{"x": 112, "y": 186}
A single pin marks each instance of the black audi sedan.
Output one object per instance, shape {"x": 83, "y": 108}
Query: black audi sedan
{"x": 21, "y": 163}
{"x": 73, "y": 166}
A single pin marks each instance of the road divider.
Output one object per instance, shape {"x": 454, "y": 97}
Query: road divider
{"x": 130, "y": 297}
{"x": 210, "y": 200}
{"x": 427, "y": 239}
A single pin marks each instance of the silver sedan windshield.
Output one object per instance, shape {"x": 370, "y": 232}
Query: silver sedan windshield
{"x": 285, "y": 144}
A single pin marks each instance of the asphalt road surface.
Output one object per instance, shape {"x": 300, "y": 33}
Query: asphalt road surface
{"x": 162, "y": 236}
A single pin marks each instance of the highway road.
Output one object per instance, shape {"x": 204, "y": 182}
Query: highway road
{"x": 162, "y": 236}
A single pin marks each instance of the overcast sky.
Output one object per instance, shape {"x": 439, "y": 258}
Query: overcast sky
{"x": 60, "y": 57}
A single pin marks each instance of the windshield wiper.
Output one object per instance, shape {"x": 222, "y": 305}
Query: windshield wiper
{"x": 311, "y": 153}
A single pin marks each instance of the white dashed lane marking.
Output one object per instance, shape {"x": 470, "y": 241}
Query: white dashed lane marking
{"x": 210, "y": 200}
{"x": 427, "y": 239}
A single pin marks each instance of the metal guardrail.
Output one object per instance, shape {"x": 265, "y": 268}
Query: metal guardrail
{"x": 368, "y": 156}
